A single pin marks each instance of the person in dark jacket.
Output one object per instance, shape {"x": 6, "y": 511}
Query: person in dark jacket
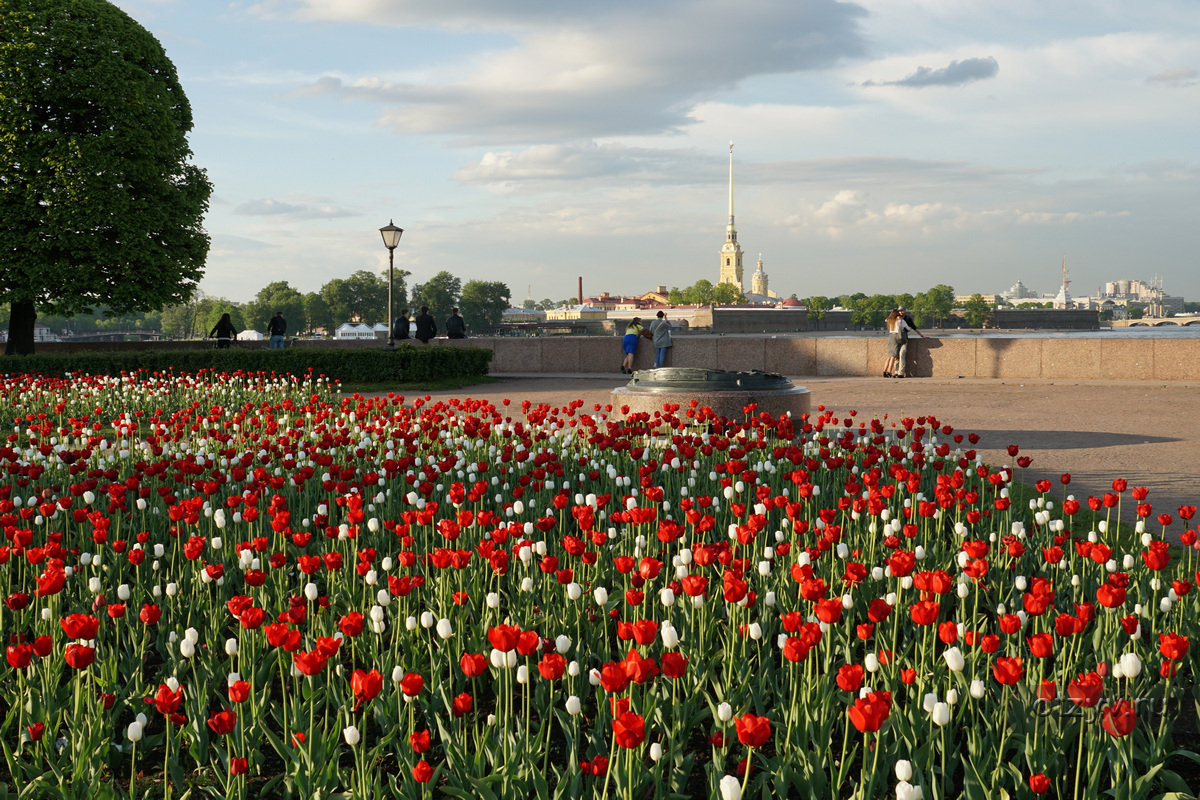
{"x": 224, "y": 332}
{"x": 456, "y": 327}
{"x": 426, "y": 327}
{"x": 276, "y": 329}
{"x": 400, "y": 329}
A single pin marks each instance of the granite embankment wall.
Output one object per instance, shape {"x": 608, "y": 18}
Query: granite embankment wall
{"x": 1086, "y": 358}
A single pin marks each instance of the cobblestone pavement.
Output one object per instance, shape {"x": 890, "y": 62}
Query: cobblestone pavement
{"x": 1147, "y": 433}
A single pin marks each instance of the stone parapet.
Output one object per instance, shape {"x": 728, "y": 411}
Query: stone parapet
{"x": 1099, "y": 358}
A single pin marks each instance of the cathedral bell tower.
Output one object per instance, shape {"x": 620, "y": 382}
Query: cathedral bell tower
{"x": 731, "y": 251}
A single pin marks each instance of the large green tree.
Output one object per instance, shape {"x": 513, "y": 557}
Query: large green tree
{"x": 483, "y": 303}
{"x": 935, "y": 305}
{"x": 977, "y": 311}
{"x": 275, "y": 296}
{"x": 316, "y": 314}
{"x": 100, "y": 203}
{"x": 362, "y": 297}
{"x": 699, "y": 293}
{"x": 728, "y": 294}
{"x": 440, "y": 293}
{"x": 817, "y": 305}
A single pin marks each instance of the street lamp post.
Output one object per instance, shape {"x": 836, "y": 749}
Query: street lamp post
{"x": 391, "y": 238}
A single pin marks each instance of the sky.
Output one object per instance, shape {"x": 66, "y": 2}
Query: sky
{"x": 881, "y": 146}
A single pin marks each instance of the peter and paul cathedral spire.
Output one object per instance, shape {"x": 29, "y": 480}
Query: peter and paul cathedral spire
{"x": 731, "y": 251}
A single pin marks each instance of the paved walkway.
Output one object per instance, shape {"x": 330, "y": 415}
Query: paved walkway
{"x": 1145, "y": 432}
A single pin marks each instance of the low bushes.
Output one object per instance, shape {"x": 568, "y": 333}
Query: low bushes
{"x": 367, "y": 365}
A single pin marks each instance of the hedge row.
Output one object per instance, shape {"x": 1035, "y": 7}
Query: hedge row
{"x": 361, "y": 365}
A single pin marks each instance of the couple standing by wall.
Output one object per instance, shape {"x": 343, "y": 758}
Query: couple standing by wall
{"x": 899, "y": 326}
{"x": 659, "y": 332}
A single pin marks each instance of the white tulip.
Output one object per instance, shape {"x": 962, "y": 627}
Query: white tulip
{"x": 352, "y": 735}
{"x": 134, "y": 732}
{"x": 904, "y": 770}
{"x": 941, "y": 714}
{"x": 731, "y": 788}
{"x": 954, "y": 659}
{"x": 443, "y": 628}
{"x": 724, "y": 712}
{"x": 574, "y": 706}
{"x": 978, "y": 689}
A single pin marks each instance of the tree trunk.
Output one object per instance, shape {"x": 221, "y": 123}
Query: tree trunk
{"x": 20, "y": 329}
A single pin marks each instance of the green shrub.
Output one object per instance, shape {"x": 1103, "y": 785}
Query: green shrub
{"x": 365, "y": 365}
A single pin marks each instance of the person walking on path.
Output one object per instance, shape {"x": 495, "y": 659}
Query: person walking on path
{"x": 276, "y": 328}
{"x": 426, "y": 327}
{"x": 629, "y": 343}
{"x": 660, "y": 329}
{"x": 909, "y": 326}
{"x": 401, "y": 326}
{"x": 224, "y": 332}
{"x": 456, "y": 327}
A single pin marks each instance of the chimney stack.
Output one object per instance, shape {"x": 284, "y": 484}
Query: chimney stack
{"x": 580, "y": 290}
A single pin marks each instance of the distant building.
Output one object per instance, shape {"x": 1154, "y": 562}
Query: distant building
{"x": 361, "y": 330}
{"x": 517, "y": 315}
{"x": 1019, "y": 291}
{"x": 41, "y": 333}
{"x": 569, "y": 313}
{"x": 990, "y": 299}
{"x": 731, "y": 251}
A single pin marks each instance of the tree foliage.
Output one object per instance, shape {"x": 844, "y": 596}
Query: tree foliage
{"x": 362, "y": 297}
{"x": 934, "y": 306}
{"x": 440, "y": 293}
{"x": 699, "y": 293}
{"x": 99, "y": 201}
{"x": 728, "y": 294}
{"x": 817, "y": 305}
{"x": 277, "y": 296}
{"x": 483, "y": 303}
{"x": 977, "y": 311}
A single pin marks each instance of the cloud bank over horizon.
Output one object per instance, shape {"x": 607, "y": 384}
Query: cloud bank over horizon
{"x": 530, "y": 142}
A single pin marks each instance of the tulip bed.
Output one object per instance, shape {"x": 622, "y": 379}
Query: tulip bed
{"x": 239, "y": 585}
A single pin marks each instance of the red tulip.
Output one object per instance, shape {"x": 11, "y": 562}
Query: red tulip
{"x": 1173, "y": 646}
{"x": 674, "y": 665}
{"x": 473, "y": 664}
{"x": 366, "y": 686}
{"x": 239, "y": 691}
{"x": 924, "y": 612}
{"x": 419, "y": 741}
{"x": 1039, "y": 784}
{"x": 629, "y": 730}
{"x": 869, "y": 713}
{"x": 462, "y": 705}
{"x": 504, "y": 637}
{"x": 412, "y": 684}
{"x": 19, "y": 656}
{"x": 309, "y": 663}
{"x": 1086, "y": 689}
{"x": 166, "y": 701}
{"x": 222, "y": 723}
{"x": 150, "y": 614}
{"x": 1041, "y": 645}
{"x": 850, "y": 677}
{"x": 79, "y": 656}
{"x": 1119, "y": 719}
{"x": 794, "y": 649}
{"x": 552, "y": 666}
{"x": 238, "y": 765}
{"x": 422, "y": 772}
{"x": 752, "y": 731}
{"x": 36, "y": 731}
{"x": 1008, "y": 671}
{"x": 80, "y": 626}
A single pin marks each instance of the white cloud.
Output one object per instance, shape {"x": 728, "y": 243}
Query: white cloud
{"x": 1176, "y": 78}
{"x": 583, "y": 71}
{"x": 270, "y": 207}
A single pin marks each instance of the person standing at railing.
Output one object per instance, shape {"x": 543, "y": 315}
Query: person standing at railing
{"x": 224, "y": 332}
{"x": 276, "y": 328}
{"x": 660, "y": 329}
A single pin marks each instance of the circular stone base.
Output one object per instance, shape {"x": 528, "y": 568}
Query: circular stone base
{"x": 780, "y": 398}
